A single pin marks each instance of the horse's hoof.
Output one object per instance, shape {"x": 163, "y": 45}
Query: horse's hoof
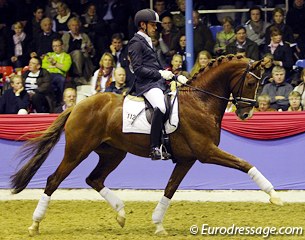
{"x": 276, "y": 201}
{"x": 160, "y": 230}
{"x": 161, "y": 233}
{"x": 33, "y": 231}
{"x": 121, "y": 220}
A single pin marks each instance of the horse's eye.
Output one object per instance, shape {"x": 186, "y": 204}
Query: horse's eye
{"x": 251, "y": 84}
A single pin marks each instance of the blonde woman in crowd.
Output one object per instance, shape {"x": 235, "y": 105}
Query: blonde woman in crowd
{"x": 203, "y": 59}
{"x": 104, "y": 76}
{"x": 176, "y": 66}
{"x": 264, "y": 101}
{"x": 295, "y": 101}
{"x": 301, "y": 87}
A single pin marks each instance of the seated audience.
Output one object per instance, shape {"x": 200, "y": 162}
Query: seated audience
{"x": 69, "y": 100}
{"x": 60, "y": 21}
{"x": 256, "y": 26}
{"x": 202, "y": 60}
{"x": 18, "y": 47}
{"x": 295, "y": 101}
{"x": 15, "y": 100}
{"x": 176, "y": 66}
{"x": 104, "y": 76}
{"x": 301, "y": 87}
{"x": 278, "y": 89}
{"x": 42, "y": 43}
{"x": 119, "y": 85}
{"x": 119, "y": 51}
{"x": 160, "y": 49}
{"x": 181, "y": 50}
{"x": 168, "y": 36}
{"x": 264, "y": 101}
{"x": 38, "y": 14}
{"x": 38, "y": 85}
{"x": 81, "y": 50}
{"x": 224, "y": 37}
{"x": 281, "y": 51}
{"x": 57, "y": 63}
{"x": 242, "y": 41}
{"x": 278, "y": 15}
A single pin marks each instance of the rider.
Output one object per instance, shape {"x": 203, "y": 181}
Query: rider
{"x": 149, "y": 78}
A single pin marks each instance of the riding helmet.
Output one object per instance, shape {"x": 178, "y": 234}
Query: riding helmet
{"x": 146, "y": 15}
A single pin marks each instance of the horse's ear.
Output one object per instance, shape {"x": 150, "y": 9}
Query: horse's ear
{"x": 256, "y": 64}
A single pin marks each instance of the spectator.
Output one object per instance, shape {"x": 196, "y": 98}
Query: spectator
{"x": 160, "y": 8}
{"x": 295, "y": 18}
{"x": 38, "y": 14}
{"x": 295, "y": 101}
{"x": 301, "y": 87}
{"x": 15, "y": 99}
{"x": 96, "y": 29}
{"x": 278, "y": 16}
{"x": 61, "y": 20}
{"x": 119, "y": 85}
{"x": 181, "y": 50}
{"x": 224, "y": 37}
{"x": 19, "y": 45}
{"x": 81, "y": 49}
{"x": 119, "y": 51}
{"x": 160, "y": 49}
{"x": 168, "y": 36}
{"x": 176, "y": 66}
{"x": 38, "y": 85}
{"x": 69, "y": 100}
{"x": 179, "y": 19}
{"x": 42, "y": 44}
{"x": 51, "y": 8}
{"x": 242, "y": 41}
{"x": 281, "y": 51}
{"x": 278, "y": 90}
{"x": 104, "y": 76}
{"x": 57, "y": 63}
{"x": 203, "y": 59}
{"x": 256, "y": 27}
{"x": 242, "y": 4}
{"x": 264, "y": 104}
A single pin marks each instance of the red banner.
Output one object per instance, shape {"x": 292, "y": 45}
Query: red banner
{"x": 262, "y": 126}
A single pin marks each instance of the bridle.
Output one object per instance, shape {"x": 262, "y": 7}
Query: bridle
{"x": 238, "y": 100}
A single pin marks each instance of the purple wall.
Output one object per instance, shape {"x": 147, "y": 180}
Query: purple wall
{"x": 281, "y": 161}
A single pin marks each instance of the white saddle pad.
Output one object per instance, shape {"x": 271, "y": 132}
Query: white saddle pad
{"x": 134, "y": 118}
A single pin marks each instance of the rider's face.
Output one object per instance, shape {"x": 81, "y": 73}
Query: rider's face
{"x": 151, "y": 28}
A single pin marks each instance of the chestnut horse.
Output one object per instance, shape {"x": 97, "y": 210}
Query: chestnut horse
{"x": 95, "y": 124}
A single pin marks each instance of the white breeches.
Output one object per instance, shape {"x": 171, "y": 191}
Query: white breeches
{"x": 155, "y": 97}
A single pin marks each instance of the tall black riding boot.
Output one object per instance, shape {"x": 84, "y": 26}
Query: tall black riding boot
{"x": 155, "y": 134}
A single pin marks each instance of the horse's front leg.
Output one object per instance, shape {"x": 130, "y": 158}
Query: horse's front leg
{"x": 220, "y": 157}
{"x": 177, "y": 176}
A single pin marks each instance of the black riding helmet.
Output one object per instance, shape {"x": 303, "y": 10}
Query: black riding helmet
{"x": 146, "y": 15}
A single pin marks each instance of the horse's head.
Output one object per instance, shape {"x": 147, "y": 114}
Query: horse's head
{"x": 245, "y": 88}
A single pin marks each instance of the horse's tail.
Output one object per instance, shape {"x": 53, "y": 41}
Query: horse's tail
{"x": 38, "y": 149}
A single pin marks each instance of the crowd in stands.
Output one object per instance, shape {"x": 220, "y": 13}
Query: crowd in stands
{"x": 58, "y": 46}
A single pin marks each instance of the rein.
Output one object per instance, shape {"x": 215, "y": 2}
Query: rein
{"x": 236, "y": 100}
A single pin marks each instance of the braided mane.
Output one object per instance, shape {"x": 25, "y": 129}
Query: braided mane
{"x": 216, "y": 62}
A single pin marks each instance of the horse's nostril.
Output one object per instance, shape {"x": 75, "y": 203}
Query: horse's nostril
{"x": 245, "y": 115}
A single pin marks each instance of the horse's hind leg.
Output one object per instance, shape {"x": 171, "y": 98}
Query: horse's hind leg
{"x": 219, "y": 157}
{"x": 109, "y": 159}
{"x": 179, "y": 172}
{"x": 70, "y": 161}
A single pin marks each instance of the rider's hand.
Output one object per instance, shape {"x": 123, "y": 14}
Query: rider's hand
{"x": 167, "y": 75}
{"x": 182, "y": 79}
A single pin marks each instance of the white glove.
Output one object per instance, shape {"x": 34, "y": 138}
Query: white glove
{"x": 182, "y": 79}
{"x": 167, "y": 75}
